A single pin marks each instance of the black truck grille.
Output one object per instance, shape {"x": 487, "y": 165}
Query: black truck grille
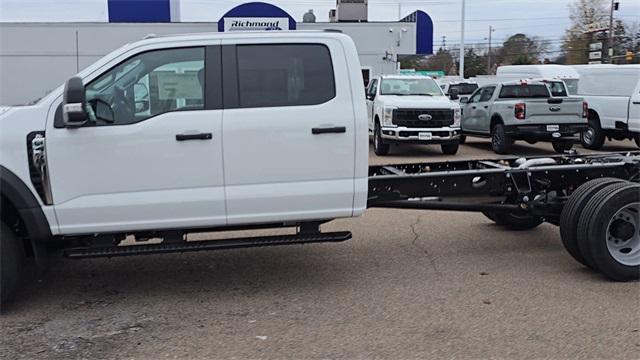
{"x": 410, "y": 118}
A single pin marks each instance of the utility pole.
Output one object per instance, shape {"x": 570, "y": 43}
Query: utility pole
{"x": 462, "y": 39}
{"x": 491, "y": 30}
{"x": 611, "y": 31}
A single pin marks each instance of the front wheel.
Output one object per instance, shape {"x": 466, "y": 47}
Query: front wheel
{"x": 450, "y": 149}
{"x": 379, "y": 147}
{"x": 463, "y": 139}
{"x": 11, "y": 258}
{"x": 636, "y": 138}
{"x": 561, "y": 146}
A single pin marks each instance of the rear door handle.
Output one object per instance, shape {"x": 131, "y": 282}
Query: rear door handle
{"x": 198, "y": 136}
{"x": 473, "y": 107}
{"x": 636, "y": 102}
{"x": 327, "y": 130}
{"x": 486, "y": 106}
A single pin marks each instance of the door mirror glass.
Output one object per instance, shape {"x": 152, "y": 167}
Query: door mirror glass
{"x": 102, "y": 110}
{"x": 453, "y": 94}
{"x": 73, "y": 110}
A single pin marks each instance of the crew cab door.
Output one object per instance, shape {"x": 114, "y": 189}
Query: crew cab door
{"x": 634, "y": 110}
{"x": 470, "y": 112}
{"x": 151, "y": 158}
{"x": 371, "y": 98}
{"x": 288, "y": 128}
{"x": 483, "y": 112}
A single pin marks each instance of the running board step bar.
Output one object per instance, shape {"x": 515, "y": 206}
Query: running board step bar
{"x": 184, "y": 246}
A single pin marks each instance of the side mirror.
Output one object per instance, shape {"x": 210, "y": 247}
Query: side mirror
{"x": 73, "y": 112}
{"x": 453, "y": 94}
{"x": 464, "y": 100}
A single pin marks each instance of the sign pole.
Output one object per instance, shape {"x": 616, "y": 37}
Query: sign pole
{"x": 462, "y": 40}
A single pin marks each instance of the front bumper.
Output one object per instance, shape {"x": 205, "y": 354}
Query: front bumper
{"x": 546, "y": 132}
{"x": 421, "y": 135}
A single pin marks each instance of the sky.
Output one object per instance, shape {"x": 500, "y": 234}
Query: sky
{"x": 546, "y": 19}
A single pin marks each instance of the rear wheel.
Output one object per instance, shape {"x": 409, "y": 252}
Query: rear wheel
{"x": 613, "y": 232}
{"x": 560, "y": 146}
{"x": 514, "y": 221}
{"x": 11, "y": 258}
{"x": 593, "y": 136}
{"x": 571, "y": 214}
{"x": 450, "y": 149}
{"x": 500, "y": 141}
{"x": 588, "y": 215}
{"x": 379, "y": 147}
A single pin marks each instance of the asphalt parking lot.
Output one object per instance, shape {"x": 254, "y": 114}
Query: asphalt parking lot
{"x": 408, "y": 285}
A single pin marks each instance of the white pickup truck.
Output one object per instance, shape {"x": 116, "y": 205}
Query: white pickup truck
{"x": 411, "y": 109}
{"x": 213, "y": 132}
{"x": 613, "y": 94}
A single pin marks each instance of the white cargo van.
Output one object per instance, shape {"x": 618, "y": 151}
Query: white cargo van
{"x": 613, "y": 94}
{"x": 550, "y": 71}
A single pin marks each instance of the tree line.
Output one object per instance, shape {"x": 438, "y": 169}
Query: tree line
{"x": 523, "y": 49}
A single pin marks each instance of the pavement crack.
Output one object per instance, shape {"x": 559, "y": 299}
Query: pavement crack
{"x": 421, "y": 247}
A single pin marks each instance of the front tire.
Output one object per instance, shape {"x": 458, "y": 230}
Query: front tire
{"x": 592, "y": 137}
{"x": 449, "y": 149}
{"x": 636, "y": 138}
{"x": 561, "y": 146}
{"x": 463, "y": 139}
{"x": 613, "y": 231}
{"x": 11, "y": 258}
{"x": 500, "y": 141}
{"x": 379, "y": 147}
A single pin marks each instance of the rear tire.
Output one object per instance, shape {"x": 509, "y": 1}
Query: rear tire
{"x": 450, "y": 148}
{"x": 516, "y": 222}
{"x": 571, "y": 214}
{"x": 560, "y": 146}
{"x": 613, "y": 233}
{"x": 379, "y": 147}
{"x": 593, "y": 136}
{"x": 500, "y": 141}
{"x": 11, "y": 257}
{"x": 587, "y": 215}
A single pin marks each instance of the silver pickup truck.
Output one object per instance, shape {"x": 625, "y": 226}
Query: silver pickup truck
{"x": 523, "y": 110}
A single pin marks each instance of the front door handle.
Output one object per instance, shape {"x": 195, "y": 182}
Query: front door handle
{"x": 198, "y": 136}
{"x": 486, "y": 106}
{"x": 636, "y": 102}
{"x": 473, "y": 107}
{"x": 327, "y": 130}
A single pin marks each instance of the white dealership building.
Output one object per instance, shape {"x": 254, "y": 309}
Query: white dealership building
{"x": 36, "y": 57}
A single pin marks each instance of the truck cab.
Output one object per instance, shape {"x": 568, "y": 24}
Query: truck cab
{"x": 133, "y": 144}
{"x": 411, "y": 109}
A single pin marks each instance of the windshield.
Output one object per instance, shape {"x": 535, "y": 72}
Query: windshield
{"x": 425, "y": 87}
{"x": 572, "y": 86}
{"x": 464, "y": 89}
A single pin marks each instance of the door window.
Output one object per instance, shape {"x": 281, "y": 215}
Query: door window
{"x": 147, "y": 85}
{"x": 476, "y": 96}
{"x": 284, "y": 75}
{"x": 373, "y": 88}
{"x": 487, "y": 93}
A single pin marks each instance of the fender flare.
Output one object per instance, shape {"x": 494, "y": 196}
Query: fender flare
{"x": 29, "y": 209}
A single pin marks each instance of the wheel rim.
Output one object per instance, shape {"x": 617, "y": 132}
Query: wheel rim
{"x": 623, "y": 235}
{"x": 375, "y": 139}
{"x": 497, "y": 138}
{"x": 588, "y": 135}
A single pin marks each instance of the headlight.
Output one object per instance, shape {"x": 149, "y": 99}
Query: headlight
{"x": 457, "y": 116}
{"x": 387, "y": 116}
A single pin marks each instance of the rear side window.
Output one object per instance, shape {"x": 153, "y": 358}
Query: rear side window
{"x": 524, "y": 91}
{"x": 284, "y": 75}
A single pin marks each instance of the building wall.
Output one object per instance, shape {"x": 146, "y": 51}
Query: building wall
{"x": 35, "y": 58}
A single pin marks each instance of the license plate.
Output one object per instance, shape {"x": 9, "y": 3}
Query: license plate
{"x": 553, "y": 127}
{"x": 425, "y": 136}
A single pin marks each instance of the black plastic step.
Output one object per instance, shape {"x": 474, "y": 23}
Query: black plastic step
{"x": 184, "y": 246}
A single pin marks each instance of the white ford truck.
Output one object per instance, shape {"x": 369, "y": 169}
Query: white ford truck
{"x": 213, "y": 132}
{"x": 411, "y": 109}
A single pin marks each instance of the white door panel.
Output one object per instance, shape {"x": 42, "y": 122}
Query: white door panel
{"x": 275, "y": 168}
{"x": 113, "y": 178}
{"x": 634, "y": 111}
{"x": 610, "y": 109}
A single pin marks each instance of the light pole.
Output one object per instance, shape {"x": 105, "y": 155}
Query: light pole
{"x": 462, "y": 40}
{"x": 491, "y": 30}
{"x": 610, "y": 57}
